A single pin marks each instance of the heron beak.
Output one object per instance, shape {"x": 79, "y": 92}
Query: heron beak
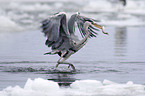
{"x": 100, "y": 27}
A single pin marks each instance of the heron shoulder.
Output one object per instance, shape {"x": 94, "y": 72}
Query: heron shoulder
{"x": 60, "y": 13}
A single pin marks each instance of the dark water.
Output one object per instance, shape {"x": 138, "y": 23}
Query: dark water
{"x": 119, "y": 57}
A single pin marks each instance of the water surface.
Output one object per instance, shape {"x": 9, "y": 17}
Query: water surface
{"x": 119, "y": 57}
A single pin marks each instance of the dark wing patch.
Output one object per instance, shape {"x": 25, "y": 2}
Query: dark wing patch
{"x": 55, "y": 29}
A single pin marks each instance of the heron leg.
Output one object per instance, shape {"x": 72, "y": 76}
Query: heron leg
{"x": 62, "y": 62}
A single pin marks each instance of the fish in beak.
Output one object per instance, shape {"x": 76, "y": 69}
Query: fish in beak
{"x": 100, "y": 27}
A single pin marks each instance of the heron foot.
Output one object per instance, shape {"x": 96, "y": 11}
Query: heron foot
{"x": 70, "y": 65}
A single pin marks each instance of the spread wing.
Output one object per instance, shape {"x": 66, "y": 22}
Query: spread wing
{"x": 56, "y": 31}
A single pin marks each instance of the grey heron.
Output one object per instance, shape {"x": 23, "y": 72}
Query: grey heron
{"x": 61, "y": 35}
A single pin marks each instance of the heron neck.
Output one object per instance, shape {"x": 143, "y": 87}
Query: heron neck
{"x": 82, "y": 42}
{"x": 85, "y": 28}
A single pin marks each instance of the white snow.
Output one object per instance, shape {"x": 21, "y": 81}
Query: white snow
{"x": 41, "y": 87}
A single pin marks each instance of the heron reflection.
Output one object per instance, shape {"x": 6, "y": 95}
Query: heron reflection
{"x": 63, "y": 79}
{"x": 120, "y": 41}
{"x": 61, "y": 35}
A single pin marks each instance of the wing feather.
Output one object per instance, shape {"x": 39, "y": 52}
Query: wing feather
{"x": 55, "y": 29}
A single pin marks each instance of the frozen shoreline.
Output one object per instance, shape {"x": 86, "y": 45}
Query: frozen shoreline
{"x": 43, "y": 87}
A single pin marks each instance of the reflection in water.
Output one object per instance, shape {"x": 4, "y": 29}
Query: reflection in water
{"x": 120, "y": 41}
{"x": 63, "y": 79}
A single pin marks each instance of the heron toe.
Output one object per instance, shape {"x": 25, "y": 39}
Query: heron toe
{"x": 70, "y": 65}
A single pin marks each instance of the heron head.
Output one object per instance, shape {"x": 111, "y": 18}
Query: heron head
{"x": 93, "y": 24}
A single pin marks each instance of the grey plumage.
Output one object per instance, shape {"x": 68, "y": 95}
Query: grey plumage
{"x": 61, "y": 34}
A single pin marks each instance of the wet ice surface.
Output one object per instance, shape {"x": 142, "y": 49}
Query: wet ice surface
{"x": 43, "y": 87}
{"x": 106, "y": 66}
